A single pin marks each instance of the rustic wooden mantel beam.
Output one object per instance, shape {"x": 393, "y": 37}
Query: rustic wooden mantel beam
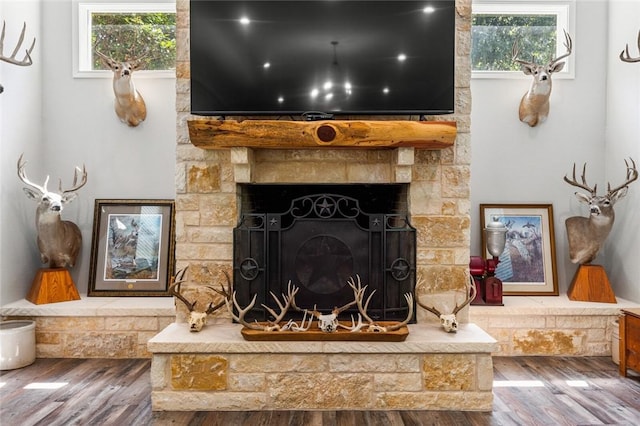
{"x": 215, "y": 134}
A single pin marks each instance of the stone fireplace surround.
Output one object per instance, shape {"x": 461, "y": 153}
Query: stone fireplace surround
{"x": 216, "y": 369}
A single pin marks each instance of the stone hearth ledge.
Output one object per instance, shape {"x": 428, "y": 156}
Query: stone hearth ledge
{"x": 216, "y": 369}
{"x": 93, "y": 307}
{"x": 226, "y": 338}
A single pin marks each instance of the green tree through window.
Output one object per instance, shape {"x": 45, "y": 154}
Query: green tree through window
{"x": 493, "y": 36}
{"x": 124, "y": 36}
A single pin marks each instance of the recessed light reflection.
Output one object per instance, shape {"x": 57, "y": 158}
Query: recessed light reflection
{"x": 52, "y": 385}
{"x": 314, "y": 93}
{"x": 245, "y": 20}
{"x": 518, "y": 384}
{"x": 266, "y": 65}
{"x": 429, "y": 9}
{"x": 402, "y": 57}
{"x": 280, "y": 99}
{"x": 385, "y": 90}
{"x": 328, "y": 96}
{"x": 327, "y": 85}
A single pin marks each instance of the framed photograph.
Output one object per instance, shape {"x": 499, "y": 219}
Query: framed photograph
{"x": 527, "y": 266}
{"x": 132, "y": 253}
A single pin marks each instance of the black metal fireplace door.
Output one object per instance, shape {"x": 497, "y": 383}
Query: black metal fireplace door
{"x": 318, "y": 244}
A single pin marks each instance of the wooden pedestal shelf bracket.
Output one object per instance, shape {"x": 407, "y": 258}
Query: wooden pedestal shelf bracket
{"x": 215, "y": 134}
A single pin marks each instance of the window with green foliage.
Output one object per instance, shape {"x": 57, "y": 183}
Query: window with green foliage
{"x": 134, "y": 35}
{"x": 537, "y": 27}
{"x": 126, "y": 31}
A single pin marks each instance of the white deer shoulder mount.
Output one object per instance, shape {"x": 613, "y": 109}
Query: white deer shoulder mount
{"x": 129, "y": 104}
{"x": 534, "y": 105}
{"x": 586, "y": 235}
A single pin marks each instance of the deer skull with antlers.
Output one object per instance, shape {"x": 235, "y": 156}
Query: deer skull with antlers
{"x": 59, "y": 240}
{"x": 129, "y": 104}
{"x": 586, "y": 235}
{"x": 25, "y": 61}
{"x": 450, "y": 321}
{"x": 197, "y": 319}
{"x": 534, "y": 105}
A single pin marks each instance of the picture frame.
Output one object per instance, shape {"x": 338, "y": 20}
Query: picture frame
{"x": 132, "y": 250}
{"x": 527, "y": 266}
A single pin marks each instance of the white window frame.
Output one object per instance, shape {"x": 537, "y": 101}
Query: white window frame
{"x": 563, "y": 9}
{"x": 81, "y": 35}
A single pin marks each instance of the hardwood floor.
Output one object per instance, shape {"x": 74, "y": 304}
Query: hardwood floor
{"x": 527, "y": 391}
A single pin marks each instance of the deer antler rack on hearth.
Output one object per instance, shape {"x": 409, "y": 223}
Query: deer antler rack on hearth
{"x": 274, "y": 325}
{"x": 196, "y": 319}
{"x": 359, "y": 292}
{"x": 449, "y": 321}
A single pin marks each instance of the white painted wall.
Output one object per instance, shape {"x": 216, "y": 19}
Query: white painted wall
{"x": 20, "y": 131}
{"x": 622, "y": 251}
{"x": 513, "y": 163}
{"x": 594, "y": 118}
{"x": 62, "y": 122}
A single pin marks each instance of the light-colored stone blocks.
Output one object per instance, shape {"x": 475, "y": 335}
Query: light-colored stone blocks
{"x": 544, "y": 325}
{"x": 97, "y": 327}
{"x": 299, "y": 375}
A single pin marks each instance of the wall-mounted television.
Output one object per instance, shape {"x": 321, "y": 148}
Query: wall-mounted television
{"x": 334, "y": 57}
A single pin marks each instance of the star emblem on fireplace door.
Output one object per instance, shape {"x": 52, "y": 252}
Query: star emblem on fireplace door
{"x": 400, "y": 269}
{"x": 324, "y": 207}
{"x": 323, "y": 264}
{"x": 249, "y": 269}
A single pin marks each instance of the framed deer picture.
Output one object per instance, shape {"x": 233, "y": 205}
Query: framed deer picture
{"x": 132, "y": 252}
{"x": 527, "y": 266}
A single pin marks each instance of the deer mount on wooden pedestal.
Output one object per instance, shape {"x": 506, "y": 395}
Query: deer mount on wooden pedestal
{"x": 59, "y": 241}
{"x": 586, "y": 235}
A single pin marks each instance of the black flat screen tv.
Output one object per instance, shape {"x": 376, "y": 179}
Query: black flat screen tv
{"x": 328, "y": 57}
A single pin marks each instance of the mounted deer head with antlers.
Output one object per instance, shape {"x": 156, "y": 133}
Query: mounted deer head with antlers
{"x": 129, "y": 104}
{"x": 534, "y": 105}
{"x": 59, "y": 240}
{"x": 450, "y": 321}
{"x": 586, "y": 235}
{"x": 25, "y": 61}
{"x": 198, "y": 319}
{"x": 626, "y": 57}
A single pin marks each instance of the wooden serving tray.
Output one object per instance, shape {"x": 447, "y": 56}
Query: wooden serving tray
{"x": 315, "y": 334}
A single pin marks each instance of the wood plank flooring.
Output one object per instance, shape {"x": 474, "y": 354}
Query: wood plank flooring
{"x": 527, "y": 391}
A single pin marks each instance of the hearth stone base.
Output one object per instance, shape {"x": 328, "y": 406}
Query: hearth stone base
{"x": 216, "y": 369}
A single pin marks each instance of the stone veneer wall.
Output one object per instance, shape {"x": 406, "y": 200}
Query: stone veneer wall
{"x": 97, "y": 337}
{"x": 216, "y": 369}
{"x": 206, "y": 182}
{"x": 559, "y": 327}
{"x": 95, "y": 327}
